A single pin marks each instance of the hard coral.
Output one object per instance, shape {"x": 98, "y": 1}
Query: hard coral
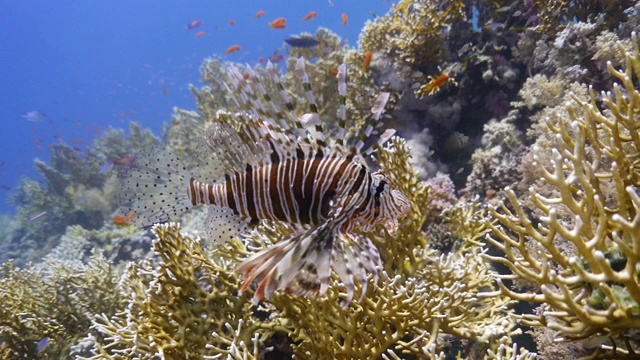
{"x": 413, "y": 37}
{"x": 413, "y": 31}
{"x": 421, "y": 300}
{"x": 182, "y": 306}
{"x": 54, "y": 304}
{"x": 583, "y": 256}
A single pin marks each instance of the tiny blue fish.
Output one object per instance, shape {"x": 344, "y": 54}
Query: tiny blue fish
{"x": 42, "y": 344}
{"x": 37, "y": 216}
{"x": 34, "y": 116}
{"x": 105, "y": 167}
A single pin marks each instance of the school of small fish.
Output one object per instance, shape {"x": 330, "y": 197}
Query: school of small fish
{"x": 279, "y": 23}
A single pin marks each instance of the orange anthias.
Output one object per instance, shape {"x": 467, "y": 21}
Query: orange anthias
{"x": 278, "y": 23}
{"x": 437, "y": 83}
{"x": 124, "y": 220}
{"x": 366, "y": 61}
{"x": 344, "y": 19}
{"x": 310, "y": 16}
{"x": 231, "y": 49}
{"x": 123, "y": 161}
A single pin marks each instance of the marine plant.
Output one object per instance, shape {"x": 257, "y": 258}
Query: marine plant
{"x": 577, "y": 254}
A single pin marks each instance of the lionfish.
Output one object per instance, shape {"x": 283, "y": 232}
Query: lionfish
{"x": 278, "y": 167}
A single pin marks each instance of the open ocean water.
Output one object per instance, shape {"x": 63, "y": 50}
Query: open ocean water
{"x": 79, "y": 67}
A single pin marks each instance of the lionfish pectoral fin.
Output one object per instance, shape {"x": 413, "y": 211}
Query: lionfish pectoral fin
{"x": 223, "y": 224}
{"x": 154, "y": 187}
{"x": 300, "y": 264}
{"x": 355, "y": 256}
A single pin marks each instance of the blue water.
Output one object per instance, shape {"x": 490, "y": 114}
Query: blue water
{"x": 92, "y": 64}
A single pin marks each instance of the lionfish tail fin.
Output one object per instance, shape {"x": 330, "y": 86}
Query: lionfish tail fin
{"x": 299, "y": 265}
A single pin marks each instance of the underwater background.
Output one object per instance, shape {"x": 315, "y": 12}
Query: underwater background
{"x": 518, "y": 145}
{"x": 88, "y": 66}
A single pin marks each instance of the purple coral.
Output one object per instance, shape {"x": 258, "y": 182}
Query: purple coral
{"x": 442, "y": 194}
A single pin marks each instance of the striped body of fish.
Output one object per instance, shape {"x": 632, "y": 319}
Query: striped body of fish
{"x": 279, "y": 167}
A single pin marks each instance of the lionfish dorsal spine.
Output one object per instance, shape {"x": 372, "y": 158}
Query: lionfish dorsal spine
{"x": 314, "y": 120}
{"x": 340, "y": 141}
{"x": 299, "y": 133}
{"x": 372, "y": 125}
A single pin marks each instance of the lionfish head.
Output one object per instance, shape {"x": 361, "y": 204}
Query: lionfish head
{"x": 390, "y": 204}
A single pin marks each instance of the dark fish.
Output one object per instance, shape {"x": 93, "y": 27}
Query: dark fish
{"x": 302, "y": 42}
{"x": 276, "y": 57}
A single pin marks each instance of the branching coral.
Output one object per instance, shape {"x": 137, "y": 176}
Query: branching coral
{"x": 419, "y": 297}
{"x": 413, "y": 31}
{"x": 55, "y": 304}
{"x": 183, "y": 306}
{"x": 583, "y": 254}
{"x": 400, "y": 315}
{"x": 410, "y": 39}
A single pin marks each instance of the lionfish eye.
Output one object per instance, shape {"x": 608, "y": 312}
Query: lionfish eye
{"x": 380, "y": 188}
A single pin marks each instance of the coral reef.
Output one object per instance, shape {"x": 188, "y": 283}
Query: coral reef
{"x": 54, "y": 302}
{"x": 184, "y": 302}
{"x": 74, "y": 192}
{"x": 530, "y": 102}
{"x": 580, "y": 254}
{"x": 184, "y": 305}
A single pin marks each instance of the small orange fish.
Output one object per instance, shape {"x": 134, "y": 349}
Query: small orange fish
{"x": 366, "y": 61}
{"x": 436, "y": 83}
{"x": 231, "y": 49}
{"x": 260, "y": 59}
{"x": 165, "y": 91}
{"x": 232, "y": 22}
{"x": 259, "y": 13}
{"x": 344, "y": 19}
{"x": 245, "y": 75}
{"x": 200, "y": 33}
{"x": 175, "y": 122}
{"x": 123, "y": 161}
{"x": 334, "y": 72}
{"x": 310, "y": 16}
{"x": 124, "y": 220}
{"x": 278, "y": 23}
